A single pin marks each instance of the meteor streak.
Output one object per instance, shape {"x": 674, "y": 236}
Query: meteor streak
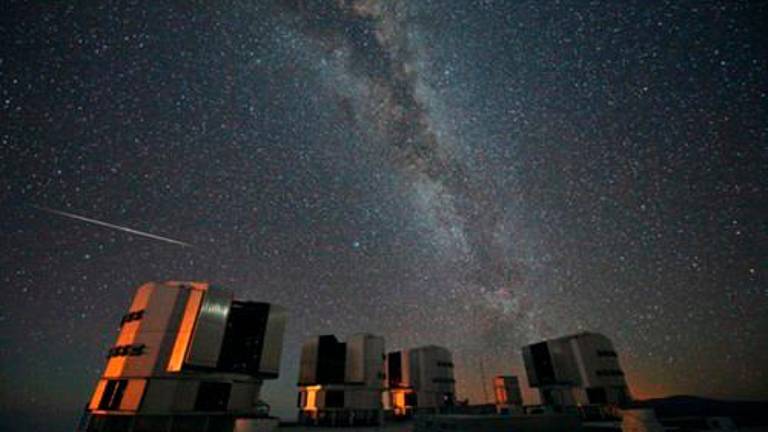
{"x": 113, "y": 226}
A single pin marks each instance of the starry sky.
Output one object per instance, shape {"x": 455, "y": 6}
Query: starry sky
{"x": 474, "y": 174}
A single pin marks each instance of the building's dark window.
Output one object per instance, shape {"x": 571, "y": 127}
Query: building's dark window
{"x": 244, "y": 337}
{"x": 395, "y": 368}
{"x": 212, "y": 396}
{"x": 132, "y": 316}
{"x": 445, "y": 364}
{"x": 609, "y": 373}
{"x": 443, "y": 380}
{"x": 597, "y": 395}
{"x": 331, "y": 360}
{"x": 411, "y": 399}
{"x": 137, "y": 350}
{"x": 606, "y": 353}
{"x": 113, "y": 394}
{"x": 126, "y": 350}
{"x": 334, "y": 398}
{"x": 542, "y": 363}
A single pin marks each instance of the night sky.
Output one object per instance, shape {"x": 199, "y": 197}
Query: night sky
{"x": 473, "y": 174}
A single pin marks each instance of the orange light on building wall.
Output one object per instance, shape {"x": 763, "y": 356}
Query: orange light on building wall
{"x": 115, "y": 365}
{"x": 97, "y": 395}
{"x": 501, "y": 395}
{"x": 311, "y": 404}
{"x": 128, "y": 331}
{"x": 398, "y": 401}
{"x": 133, "y": 394}
{"x": 141, "y": 299}
{"x": 184, "y": 334}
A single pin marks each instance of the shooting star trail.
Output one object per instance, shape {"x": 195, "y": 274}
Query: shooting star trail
{"x": 113, "y": 226}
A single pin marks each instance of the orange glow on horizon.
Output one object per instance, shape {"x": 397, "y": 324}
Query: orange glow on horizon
{"x": 184, "y": 334}
{"x": 645, "y": 390}
{"x": 644, "y": 385}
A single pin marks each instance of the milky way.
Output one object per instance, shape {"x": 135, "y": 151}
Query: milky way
{"x": 473, "y": 174}
{"x": 376, "y": 46}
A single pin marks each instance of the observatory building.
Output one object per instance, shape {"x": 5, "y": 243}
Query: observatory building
{"x": 419, "y": 380}
{"x": 506, "y": 390}
{"x": 341, "y": 383}
{"x": 581, "y": 369}
{"x": 188, "y": 357}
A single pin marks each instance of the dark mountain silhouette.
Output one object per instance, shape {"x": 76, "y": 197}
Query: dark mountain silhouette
{"x": 744, "y": 413}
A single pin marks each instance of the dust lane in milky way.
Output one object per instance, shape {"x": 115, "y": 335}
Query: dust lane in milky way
{"x": 376, "y": 47}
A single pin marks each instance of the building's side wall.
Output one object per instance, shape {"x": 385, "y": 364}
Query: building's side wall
{"x": 184, "y": 329}
{"x": 211, "y": 324}
{"x": 564, "y": 362}
{"x": 363, "y": 374}
{"x": 170, "y": 332}
{"x": 145, "y": 332}
{"x": 407, "y": 377}
{"x": 242, "y": 397}
{"x": 184, "y": 395}
{"x": 165, "y": 356}
{"x": 599, "y": 361}
{"x": 432, "y": 368}
{"x": 157, "y": 331}
{"x": 130, "y": 332}
{"x": 355, "y": 362}
{"x": 374, "y": 362}
{"x": 273, "y": 340}
{"x": 308, "y": 364}
{"x": 586, "y": 370}
{"x": 530, "y": 367}
{"x": 160, "y": 396}
{"x": 362, "y": 398}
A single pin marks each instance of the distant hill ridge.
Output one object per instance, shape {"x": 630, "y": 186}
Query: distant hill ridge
{"x": 742, "y": 412}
